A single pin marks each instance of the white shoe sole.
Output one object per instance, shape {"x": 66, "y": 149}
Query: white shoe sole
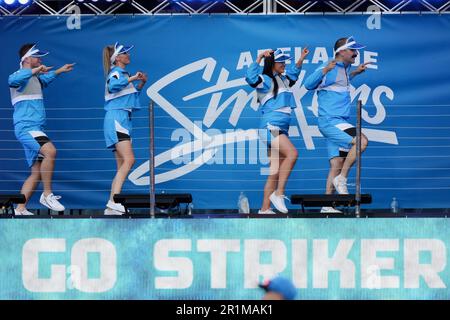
{"x": 265, "y": 212}
{"x": 341, "y": 192}
{"x": 112, "y": 212}
{"x": 115, "y": 206}
{"x": 24, "y": 214}
{"x": 330, "y": 211}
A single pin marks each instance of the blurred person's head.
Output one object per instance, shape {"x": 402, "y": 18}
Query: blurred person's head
{"x": 279, "y": 288}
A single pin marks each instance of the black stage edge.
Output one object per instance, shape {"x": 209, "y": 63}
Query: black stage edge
{"x": 163, "y": 201}
{"x": 7, "y": 201}
{"x": 232, "y": 214}
{"x": 329, "y": 200}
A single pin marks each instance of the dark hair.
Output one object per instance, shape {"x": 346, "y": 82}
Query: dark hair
{"x": 269, "y": 62}
{"x": 339, "y": 43}
{"x": 24, "y": 49}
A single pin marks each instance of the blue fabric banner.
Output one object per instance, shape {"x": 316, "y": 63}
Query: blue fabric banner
{"x": 206, "y": 114}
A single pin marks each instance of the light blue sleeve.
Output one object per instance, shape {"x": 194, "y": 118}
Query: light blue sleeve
{"x": 314, "y": 79}
{"x": 116, "y": 81}
{"x": 292, "y": 71}
{"x": 253, "y": 74}
{"x": 47, "y": 78}
{"x": 19, "y": 78}
{"x": 256, "y": 79}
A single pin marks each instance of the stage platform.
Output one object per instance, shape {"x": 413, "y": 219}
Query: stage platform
{"x": 233, "y": 214}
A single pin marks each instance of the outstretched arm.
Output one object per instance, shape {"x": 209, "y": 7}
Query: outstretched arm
{"x": 361, "y": 68}
{"x": 46, "y": 76}
{"x": 294, "y": 69}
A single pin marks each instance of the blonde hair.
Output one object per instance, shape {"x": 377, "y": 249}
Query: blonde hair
{"x": 107, "y": 53}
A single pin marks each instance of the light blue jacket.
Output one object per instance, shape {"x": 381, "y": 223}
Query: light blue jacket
{"x": 119, "y": 93}
{"x": 264, "y": 87}
{"x": 333, "y": 90}
{"x": 27, "y": 97}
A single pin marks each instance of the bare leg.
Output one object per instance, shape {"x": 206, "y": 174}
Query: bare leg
{"x": 272, "y": 179}
{"x": 125, "y": 161}
{"x": 335, "y": 169}
{"x": 48, "y": 150}
{"x": 290, "y": 155}
{"x": 119, "y": 163}
{"x": 119, "y": 160}
{"x": 30, "y": 184}
{"x": 351, "y": 157}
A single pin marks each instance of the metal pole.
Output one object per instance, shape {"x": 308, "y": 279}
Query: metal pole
{"x": 269, "y": 6}
{"x": 358, "y": 159}
{"x": 151, "y": 121}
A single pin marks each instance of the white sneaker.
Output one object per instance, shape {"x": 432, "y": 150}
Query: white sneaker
{"x": 278, "y": 202}
{"x": 112, "y": 212}
{"x": 51, "y": 202}
{"x": 329, "y": 210}
{"x": 268, "y": 211}
{"x": 115, "y": 206}
{"x": 340, "y": 183}
{"x": 23, "y": 212}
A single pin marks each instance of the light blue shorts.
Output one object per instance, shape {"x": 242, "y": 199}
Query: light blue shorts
{"x": 272, "y": 124}
{"x": 339, "y": 134}
{"x": 32, "y": 139}
{"x": 117, "y": 127}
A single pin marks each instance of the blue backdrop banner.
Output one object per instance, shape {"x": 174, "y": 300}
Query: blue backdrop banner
{"x": 224, "y": 258}
{"x": 206, "y": 115}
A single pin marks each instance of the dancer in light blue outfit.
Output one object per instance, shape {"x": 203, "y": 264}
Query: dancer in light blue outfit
{"x": 121, "y": 99}
{"x": 332, "y": 82}
{"x": 273, "y": 86}
{"x": 27, "y": 98}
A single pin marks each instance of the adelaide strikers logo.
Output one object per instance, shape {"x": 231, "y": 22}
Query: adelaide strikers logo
{"x": 205, "y": 144}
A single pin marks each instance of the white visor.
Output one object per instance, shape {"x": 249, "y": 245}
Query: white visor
{"x": 33, "y": 52}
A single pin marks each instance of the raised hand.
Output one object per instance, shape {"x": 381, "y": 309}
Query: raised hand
{"x": 264, "y": 54}
{"x": 330, "y": 66}
{"x": 142, "y": 76}
{"x": 305, "y": 52}
{"x": 137, "y": 76}
{"x": 362, "y": 67}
